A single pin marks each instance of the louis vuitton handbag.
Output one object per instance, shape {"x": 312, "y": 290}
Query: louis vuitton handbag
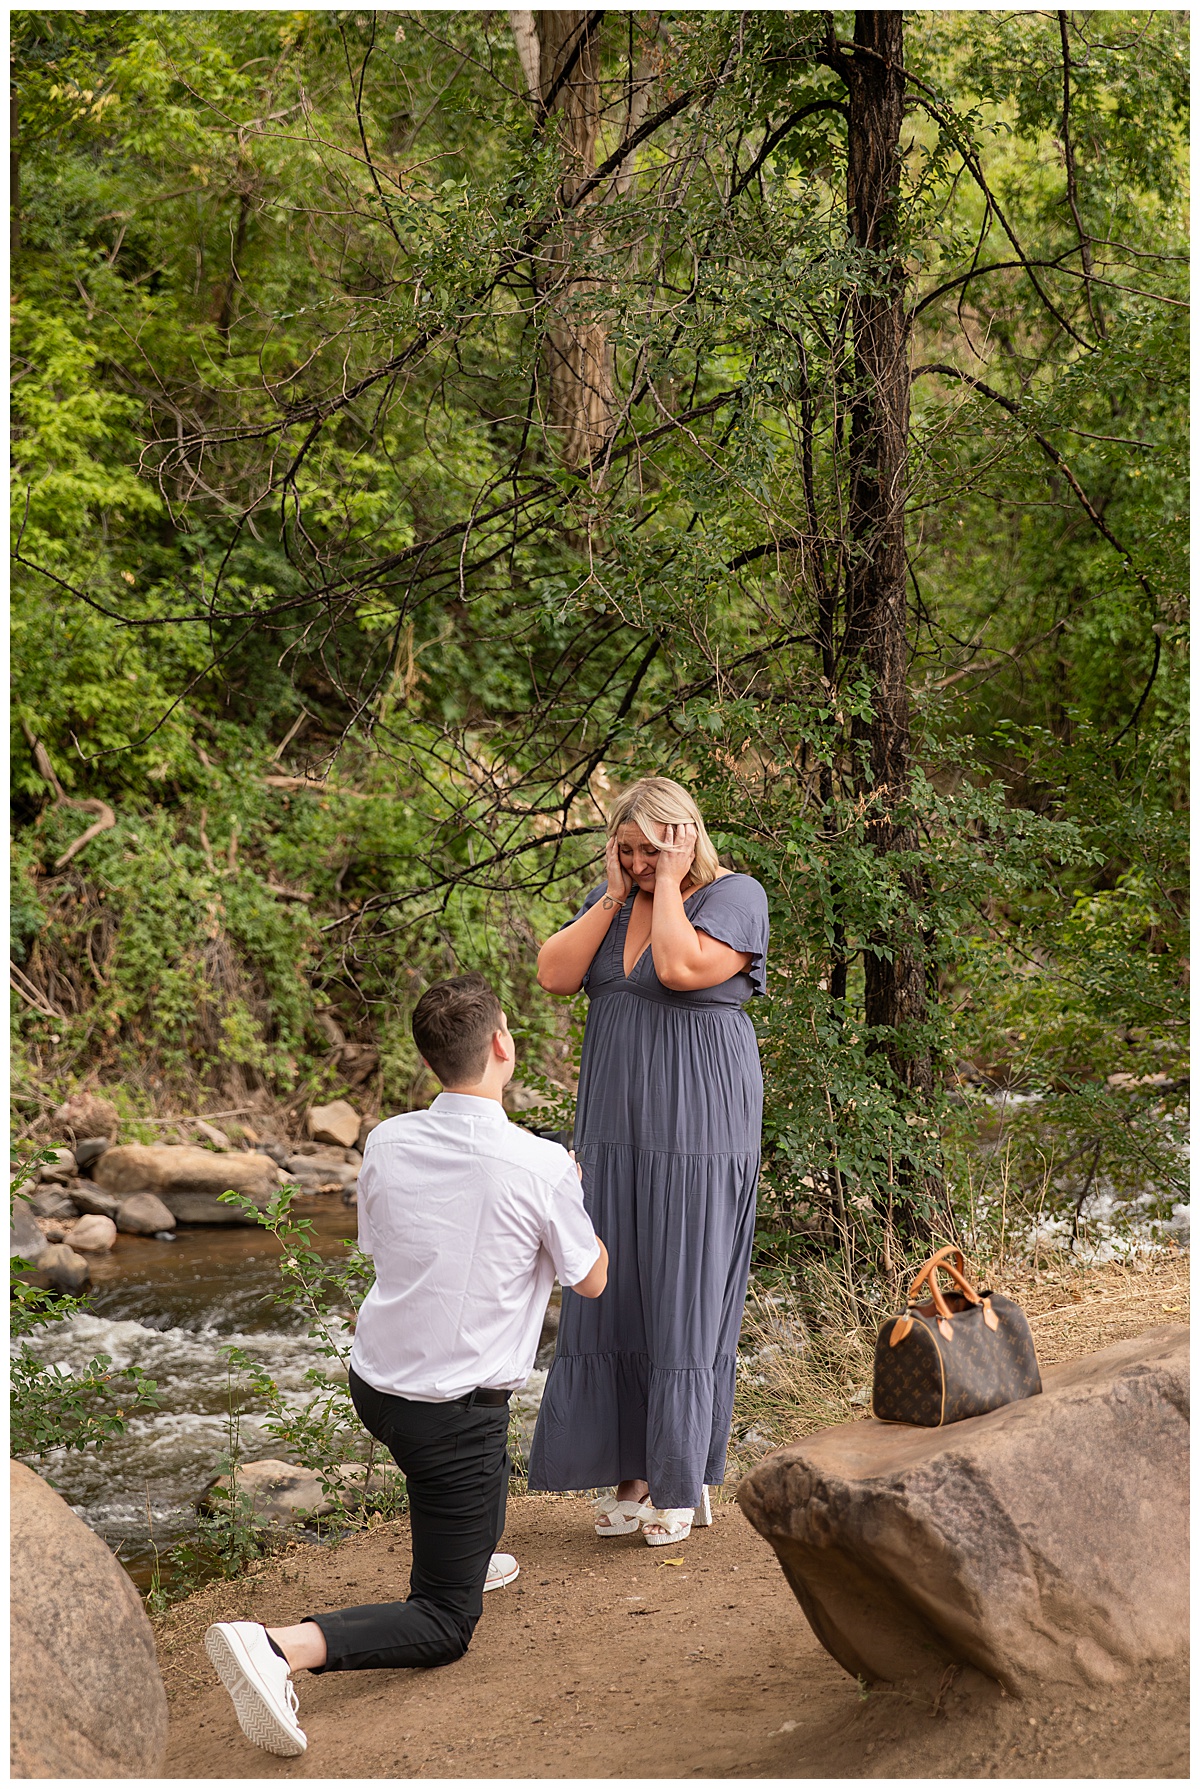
{"x": 960, "y": 1353}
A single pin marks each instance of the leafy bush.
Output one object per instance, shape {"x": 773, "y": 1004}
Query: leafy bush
{"x": 49, "y": 1408}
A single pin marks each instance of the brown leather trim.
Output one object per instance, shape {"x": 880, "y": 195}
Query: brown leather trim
{"x": 928, "y": 1272}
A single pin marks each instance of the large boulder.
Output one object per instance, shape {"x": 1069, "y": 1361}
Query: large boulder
{"x": 280, "y": 1494}
{"x": 87, "y": 1698}
{"x": 337, "y": 1123}
{"x": 1044, "y": 1543}
{"x": 164, "y": 1168}
{"x": 144, "y": 1215}
{"x": 87, "y": 1115}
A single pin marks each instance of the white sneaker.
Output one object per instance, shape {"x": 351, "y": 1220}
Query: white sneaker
{"x": 502, "y": 1569}
{"x": 260, "y": 1684}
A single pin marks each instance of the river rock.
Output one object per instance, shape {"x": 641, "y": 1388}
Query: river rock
{"x": 59, "y": 1266}
{"x": 87, "y": 1698}
{"x": 87, "y": 1115}
{"x": 323, "y": 1172}
{"x": 52, "y": 1202}
{"x": 206, "y": 1208}
{"x": 144, "y": 1215}
{"x": 88, "y": 1151}
{"x": 184, "y": 1168}
{"x": 60, "y": 1169}
{"x": 94, "y": 1234}
{"x": 281, "y": 1494}
{"x": 91, "y": 1198}
{"x": 352, "y": 1480}
{"x": 1044, "y": 1543}
{"x": 25, "y": 1236}
{"x": 364, "y": 1131}
{"x": 338, "y": 1123}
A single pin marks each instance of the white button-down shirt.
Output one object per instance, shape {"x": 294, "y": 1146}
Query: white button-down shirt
{"x": 469, "y": 1218}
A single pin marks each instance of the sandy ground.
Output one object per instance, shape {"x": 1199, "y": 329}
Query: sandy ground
{"x": 606, "y": 1659}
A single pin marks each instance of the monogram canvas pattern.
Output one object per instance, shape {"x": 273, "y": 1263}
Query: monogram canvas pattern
{"x": 908, "y": 1377}
{"x": 928, "y": 1380}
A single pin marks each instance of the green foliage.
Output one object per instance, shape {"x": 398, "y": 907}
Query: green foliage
{"x": 286, "y": 470}
{"x": 50, "y": 1409}
{"x": 324, "y": 1434}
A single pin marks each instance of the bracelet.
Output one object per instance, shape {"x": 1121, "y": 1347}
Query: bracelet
{"x": 608, "y": 903}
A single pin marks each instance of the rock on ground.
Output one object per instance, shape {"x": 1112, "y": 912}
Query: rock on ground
{"x": 61, "y": 1168}
{"x": 59, "y": 1266}
{"x": 144, "y": 1215}
{"x": 94, "y": 1234}
{"x": 94, "y": 1199}
{"x": 337, "y": 1123}
{"x": 353, "y": 1481}
{"x": 87, "y": 1697}
{"x": 313, "y": 1172}
{"x": 52, "y": 1202}
{"x": 89, "y": 1150}
{"x": 1045, "y": 1543}
{"x": 87, "y": 1115}
{"x": 279, "y": 1492}
{"x": 207, "y": 1208}
{"x": 24, "y": 1236}
{"x": 184, "y": 1168}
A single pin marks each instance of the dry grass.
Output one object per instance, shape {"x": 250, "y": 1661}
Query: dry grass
{"x": 796, "y": 1376}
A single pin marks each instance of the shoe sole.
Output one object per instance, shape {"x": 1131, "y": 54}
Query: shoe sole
{"x": 701, "y": 1518}
{"x": 499, "y": 1583}
{"x": 666, "y": 1540}
{"x": 256, "y": 1718}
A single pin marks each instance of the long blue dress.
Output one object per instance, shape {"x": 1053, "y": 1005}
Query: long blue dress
{"x": 668, "y": 1130}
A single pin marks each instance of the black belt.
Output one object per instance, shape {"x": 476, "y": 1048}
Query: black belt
{"x": 483, "y": 1394}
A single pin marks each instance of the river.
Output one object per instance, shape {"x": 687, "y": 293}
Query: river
{"x": 172, "y": 1309}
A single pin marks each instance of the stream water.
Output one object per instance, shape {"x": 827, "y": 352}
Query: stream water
{"x": 172, "y": 1309}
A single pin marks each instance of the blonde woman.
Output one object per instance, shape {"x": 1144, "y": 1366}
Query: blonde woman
{"x": 668, "y": 1134}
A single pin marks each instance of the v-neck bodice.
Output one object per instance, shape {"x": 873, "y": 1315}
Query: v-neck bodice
{"x": 607, "y": 974}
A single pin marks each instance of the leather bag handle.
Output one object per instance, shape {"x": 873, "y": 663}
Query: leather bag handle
{"x": 929, "y": 1273}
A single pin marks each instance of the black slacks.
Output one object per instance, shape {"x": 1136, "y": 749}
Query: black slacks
{"x": 455, "y": 1460}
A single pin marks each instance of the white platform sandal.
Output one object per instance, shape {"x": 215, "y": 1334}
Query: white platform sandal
{"x": 624, "y": 1516}
{"x": 675, "y": 1524}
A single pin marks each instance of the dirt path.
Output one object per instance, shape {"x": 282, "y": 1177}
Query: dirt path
{"x": 605, "y": 1660}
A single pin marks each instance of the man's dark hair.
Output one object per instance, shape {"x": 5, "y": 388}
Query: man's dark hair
{"x": 452, "y": 1027}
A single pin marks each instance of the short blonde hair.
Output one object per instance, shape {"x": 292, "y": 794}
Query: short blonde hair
{"x": 664, "y": 803}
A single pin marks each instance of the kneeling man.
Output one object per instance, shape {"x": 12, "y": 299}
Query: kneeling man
{"x": 468, "y": 1218}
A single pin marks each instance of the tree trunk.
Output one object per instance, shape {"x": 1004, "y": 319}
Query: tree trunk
{"x": 876, "y": 636}
{"x": 560, "y": 57}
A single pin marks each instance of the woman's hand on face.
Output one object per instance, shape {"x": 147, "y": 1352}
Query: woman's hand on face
{"x": 619, "y": 883}
{"x": 676, "y": 853}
